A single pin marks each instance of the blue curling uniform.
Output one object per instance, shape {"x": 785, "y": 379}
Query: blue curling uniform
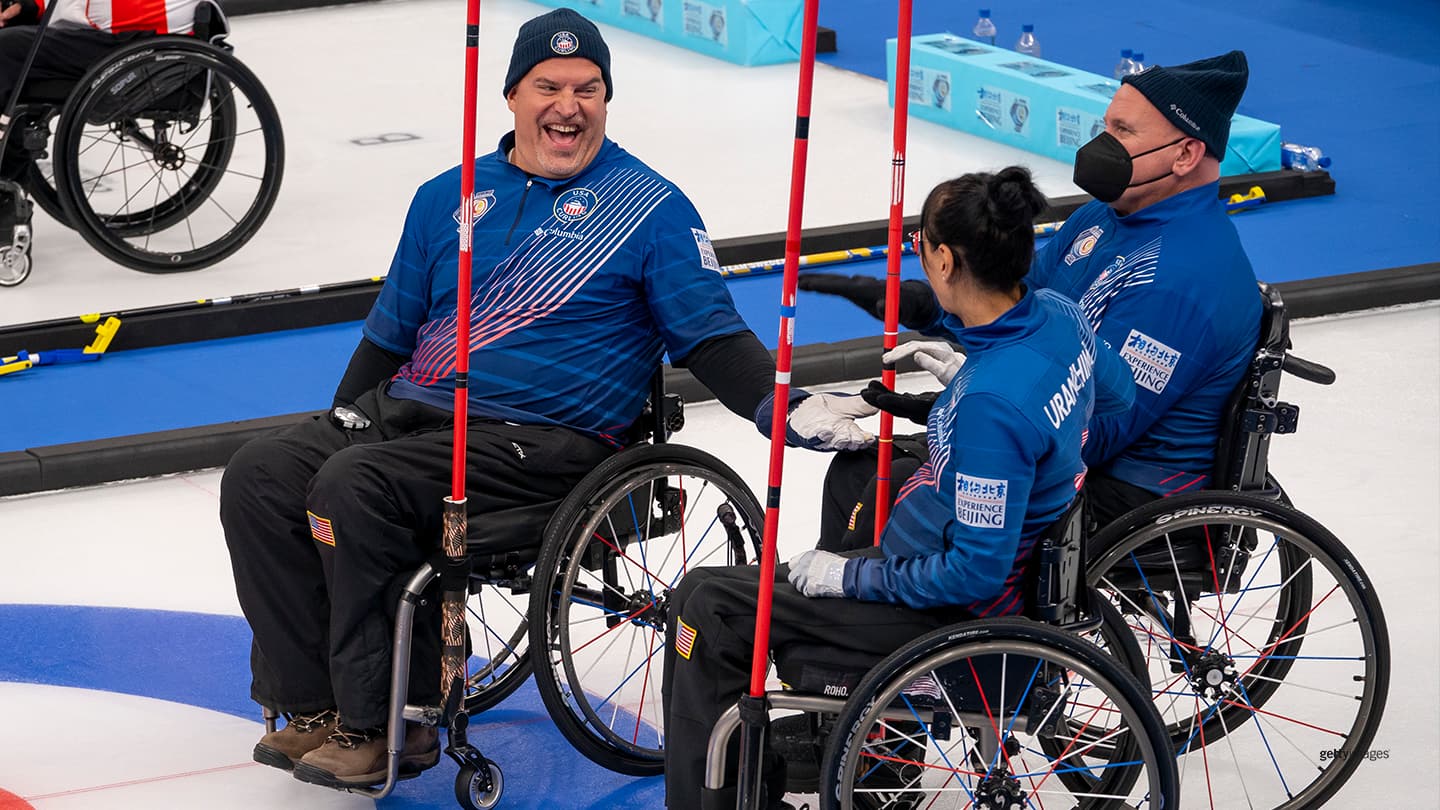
{"x": 1004, "y": 462}
{"x": 580, "y": 286}
{"x": 1170, "y": 289}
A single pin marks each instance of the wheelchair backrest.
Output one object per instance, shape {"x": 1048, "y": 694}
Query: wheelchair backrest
{"x": 657, "y": 421}
{"x": 1254, "y": 411}
{"x": 211, "y": 24}
{"x": 1057, "y": 593}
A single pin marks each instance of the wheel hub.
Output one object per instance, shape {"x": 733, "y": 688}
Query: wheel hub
{"x": 999, "y": 791}
{"x": 1214, "y": 675}
{"x": 170, "y": 156}
{"x": 648, "y": 609}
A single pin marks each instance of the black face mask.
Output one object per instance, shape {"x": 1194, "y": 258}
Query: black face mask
{"x": 1103, "y": 167}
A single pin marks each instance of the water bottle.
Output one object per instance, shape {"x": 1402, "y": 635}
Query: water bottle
{"x": 1126, "y": 65}
{"x": 1139, "y": 62}
{"x": 1302, "y": 158}
{"x": 985, "y": 27}
{"x": 1028, "y": 44}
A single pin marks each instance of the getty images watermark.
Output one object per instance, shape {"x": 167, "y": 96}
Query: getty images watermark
{"x": 1338, "y": 754}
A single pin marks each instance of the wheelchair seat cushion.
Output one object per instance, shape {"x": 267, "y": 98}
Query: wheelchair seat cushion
{"x": 821, "y": 670}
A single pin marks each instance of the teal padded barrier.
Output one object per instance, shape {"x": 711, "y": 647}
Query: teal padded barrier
{"x": 1035, "y": 105}
{"x": 746, "y": 32}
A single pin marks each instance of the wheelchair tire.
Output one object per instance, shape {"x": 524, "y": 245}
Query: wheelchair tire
{"x": 1304, "y": 613}
{"x": 39, "y": 180}
{"x": 126, "y": 172}
{"x": 604, "y": 574}
{"x": 913, "y": 730}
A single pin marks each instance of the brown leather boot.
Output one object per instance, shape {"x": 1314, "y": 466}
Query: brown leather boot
{"x": 302, "y": 734}
{"x": 422, "y": 749}
{"x": 350, "y": 757}
{"x": 358, "y": 757}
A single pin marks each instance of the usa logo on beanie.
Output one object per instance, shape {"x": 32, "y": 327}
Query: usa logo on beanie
{"x": 564, "y": 43}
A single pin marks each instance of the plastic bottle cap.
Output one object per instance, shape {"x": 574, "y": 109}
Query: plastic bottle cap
{"x": 1027, "y": 28}
{"x": 1139, "y": 57}
{"x": 1126, "y": 53}
{"x": 984, "y": 12}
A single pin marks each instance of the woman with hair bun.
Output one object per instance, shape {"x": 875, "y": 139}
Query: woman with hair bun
{"x": 1003, "y": 464}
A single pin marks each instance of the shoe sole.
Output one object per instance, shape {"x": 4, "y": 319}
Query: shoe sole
{"x": 410, "y": 767}
{"x": 265, "y": 755}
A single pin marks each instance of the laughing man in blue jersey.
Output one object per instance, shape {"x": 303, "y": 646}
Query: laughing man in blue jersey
{"x": 1004, "y": 462}
{"x": 1160, "y": 273}
{"x": 588, "y": 268}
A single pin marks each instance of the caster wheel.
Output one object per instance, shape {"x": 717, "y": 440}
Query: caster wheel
{"x": 14, "y": 266}
{"x": 469, "y": 790}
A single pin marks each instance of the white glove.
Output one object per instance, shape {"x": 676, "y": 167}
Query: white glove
{"x": 827, "y": 422}
{"x": 932, "y": 355}
{"x": 818, "y": 573}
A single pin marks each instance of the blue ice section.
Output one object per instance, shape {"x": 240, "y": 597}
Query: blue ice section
{"x": 202, "y": 660}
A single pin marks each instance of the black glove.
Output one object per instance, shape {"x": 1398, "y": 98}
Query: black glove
{"x": 915, "y": 407}
{"x": 918, "y": 307}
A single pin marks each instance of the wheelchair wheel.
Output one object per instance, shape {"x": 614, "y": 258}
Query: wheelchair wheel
{"x": 1266, "y": 646}
{"x": 168, "y": 155}
{"x": 500, "y": 646}
{"x": 616, "y": 548}
{"x": 994, "y": 713}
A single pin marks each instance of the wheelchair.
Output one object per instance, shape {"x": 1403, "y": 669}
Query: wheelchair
{"x": 166, "y": 156}
{"x": 1265, "y": 645}
{"x": 609, "y": 552}
{"x": 990, "y": 713}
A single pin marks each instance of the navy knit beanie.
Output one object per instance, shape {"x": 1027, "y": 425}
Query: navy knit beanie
{"x": 1199, "y": 98}
{"x": 561, "y": 33}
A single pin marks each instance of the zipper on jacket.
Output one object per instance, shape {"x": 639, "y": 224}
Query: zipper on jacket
{"x": 519, "y": 212}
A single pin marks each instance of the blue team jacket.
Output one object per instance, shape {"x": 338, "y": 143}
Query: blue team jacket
{"x": 579, "y": 288}
{"x": 1005, "y": 462}
{"x": 1170, "y": 289}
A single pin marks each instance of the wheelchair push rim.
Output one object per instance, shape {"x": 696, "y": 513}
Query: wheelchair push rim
{"x": 1272, "y": 686}
{"x": 600, "y": 613}
{"x": 169, "y": 155}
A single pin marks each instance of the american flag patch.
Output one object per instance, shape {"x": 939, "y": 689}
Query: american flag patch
{"x": 684, "y": 639}
{"x": 320, "y": 529}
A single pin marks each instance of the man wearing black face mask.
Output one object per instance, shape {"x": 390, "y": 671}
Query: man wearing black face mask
{"x": 1159, "y": 271}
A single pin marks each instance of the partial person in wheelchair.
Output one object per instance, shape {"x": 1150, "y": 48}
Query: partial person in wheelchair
{"x": 588, "y": 268}
{"x": 78, "y": 35}
{"x": 1005, "y": 464}
{"x": 1160, "y": 273}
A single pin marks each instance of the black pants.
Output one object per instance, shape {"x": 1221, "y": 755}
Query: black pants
{"x": 66, "y": 52}
{"x": 847, "y": 506}
{"x": 323, "y": 524}
{"x": 718, "y": 605}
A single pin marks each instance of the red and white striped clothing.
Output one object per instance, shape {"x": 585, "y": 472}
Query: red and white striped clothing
{"x": 118, "y": 16}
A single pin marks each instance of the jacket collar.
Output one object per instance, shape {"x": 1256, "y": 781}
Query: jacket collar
{"x": 1017, "y": 322}
{"x": 609, "y": 150}
{"x": 1192, "y": 201}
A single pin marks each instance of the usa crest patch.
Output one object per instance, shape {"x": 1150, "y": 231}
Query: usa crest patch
{"x": 1083, "y": 245}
